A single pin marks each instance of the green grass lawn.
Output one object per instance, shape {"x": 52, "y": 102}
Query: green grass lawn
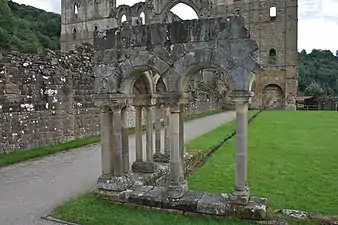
{"x": 20, "y": 156}
{"x": 292, "y": 162}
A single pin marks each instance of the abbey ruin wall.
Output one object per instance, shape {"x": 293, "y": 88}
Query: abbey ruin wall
{"x": 47, "y": 99}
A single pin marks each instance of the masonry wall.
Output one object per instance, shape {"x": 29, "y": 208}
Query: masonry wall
{"x": 47, "y": 98}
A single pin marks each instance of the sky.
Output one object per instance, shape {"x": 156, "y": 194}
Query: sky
{"x": 317, "y": 27}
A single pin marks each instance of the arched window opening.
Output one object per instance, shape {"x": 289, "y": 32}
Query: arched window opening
{"x": 96, "y": 28}
{"x": 183, "y": 12}
{"x": 143, "y": 18}
{"x": 272, "y": 57}
{"x": 74, "y": 33}
{"x": 123, "y": 18}
{"x": 76, "y": 10}
{"x": 273, "y": 13}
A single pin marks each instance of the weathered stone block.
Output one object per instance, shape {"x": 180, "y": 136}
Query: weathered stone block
{"x": 213, "y": 204}
{"x": 255, "y": 209}
{"x": 144, "y": 167}
{"x": 153, "y": 198}
{"x": 187, "y": 203}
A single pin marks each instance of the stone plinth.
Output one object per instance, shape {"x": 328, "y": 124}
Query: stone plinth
{"x": 218, "y": 205}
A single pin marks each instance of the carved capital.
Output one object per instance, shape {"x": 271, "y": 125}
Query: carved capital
{"x": 241, "y": 97}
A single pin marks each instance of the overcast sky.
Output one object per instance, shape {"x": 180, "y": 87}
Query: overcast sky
{"x": 318, "y": 20}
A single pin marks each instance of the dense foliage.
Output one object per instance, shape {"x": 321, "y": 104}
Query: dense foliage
{"x": 318, "y": 73}
{"x": 28, "y": 29}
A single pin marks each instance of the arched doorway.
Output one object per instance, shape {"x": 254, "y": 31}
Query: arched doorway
{"x": 273, "y": 97}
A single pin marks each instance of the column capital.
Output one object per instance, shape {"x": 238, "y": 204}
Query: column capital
{"x": 241, "y": 97}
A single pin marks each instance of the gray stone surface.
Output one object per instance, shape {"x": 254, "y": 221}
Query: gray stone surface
{"x": 213, "y": 204}
{"x": 30, "y": 190}
{"x": 192, "y": 202}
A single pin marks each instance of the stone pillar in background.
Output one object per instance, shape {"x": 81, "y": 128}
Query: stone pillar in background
{"x": 158, "y": 126}
{"x": 177, "y": 186}
{"x": 138, "y": 134}
{"x": 106, "y": 156}
{"x": 125, "y": 140}
{"x": 241, "y": 194}
{"x": 117, "y": 140}
{"x": 112, "y": 137}
{"x": 149, "y": 135}
{"x": 166, "y": 132}
{"x": 160, "y": 156}
{"x": 147, "y": 166}
{"x": 181, "y": 130}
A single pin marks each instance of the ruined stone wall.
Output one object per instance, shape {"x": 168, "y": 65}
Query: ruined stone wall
{"x": 47, "y": 98}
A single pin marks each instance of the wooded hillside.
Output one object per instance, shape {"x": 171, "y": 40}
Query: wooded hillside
{"x": 28, "y": 29}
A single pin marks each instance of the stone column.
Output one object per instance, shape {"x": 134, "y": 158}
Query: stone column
{"x": 117, "y": 140}
{"x": 166, "y": 132}
{"x": 125, "y": 140}
{"x": 147, "y": 166}
{"x": 149, "y": 135}
{"x": 106, "y": 156}
{"x": 181, "y": 130}
{"x": 178, "y": 186}
{"x": 158, "y": 126}
{"x": 138, "y": 134}
{"x": 242, "y": 191}
{"x": 112, "y": 137}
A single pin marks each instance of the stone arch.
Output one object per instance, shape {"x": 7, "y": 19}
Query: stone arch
{"x": 141, "y": 83}
{"x": 272, "y": 97}
{"x": 191, "y": 65}
{"x": 123, "y": 13}
{"x": 132, "y": 75}
{"x": 160, "y": 84}
{"x": 200, "y": 7}
{"x": 74, "y": 33}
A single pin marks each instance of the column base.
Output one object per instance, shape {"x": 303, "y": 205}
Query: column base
{"x": 162, "y": 158}
{"x": 144, "y": 167}
{"x": 240, "y": 197}
{"x": 177, "y": 191}
{"x": 118, "y": 184}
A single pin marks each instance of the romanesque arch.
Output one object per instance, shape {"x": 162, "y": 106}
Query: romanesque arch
{"x": 128, "y": 61}
{"x": 272, "y": 97}
{"x": 200, "y": 7}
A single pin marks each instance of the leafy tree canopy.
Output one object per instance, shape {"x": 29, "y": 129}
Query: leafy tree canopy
{"x": 28, "y": 29}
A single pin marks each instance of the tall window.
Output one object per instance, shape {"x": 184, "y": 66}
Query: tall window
{"x": 76, "y": 10}
{"x": 272, "y": 57}
{"x": 143, "y": 17}
{"x": 123, "y": 18}
{"x": 74, "y": 33}
{"x": 273, "y": 13}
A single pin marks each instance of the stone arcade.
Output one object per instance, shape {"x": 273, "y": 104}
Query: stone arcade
{"x": 128, "y": 60}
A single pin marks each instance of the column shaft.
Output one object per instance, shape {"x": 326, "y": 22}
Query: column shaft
{"x": 158, "y": 127}
{"x": 166, "y": 131}
{"x": 181, "y": 130}
{"x": 106, "y": 156}
{"x": 117, "y": 148}
{"x": 149, "y": 135}
{"x": 138, "y": 134}
{"x": 125, "y": 140}
{"x": 177, "y": 185}
{"x": 241, "y": 146}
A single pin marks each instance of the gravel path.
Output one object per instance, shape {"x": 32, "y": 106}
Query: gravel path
{"x": 30, "y": 190}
